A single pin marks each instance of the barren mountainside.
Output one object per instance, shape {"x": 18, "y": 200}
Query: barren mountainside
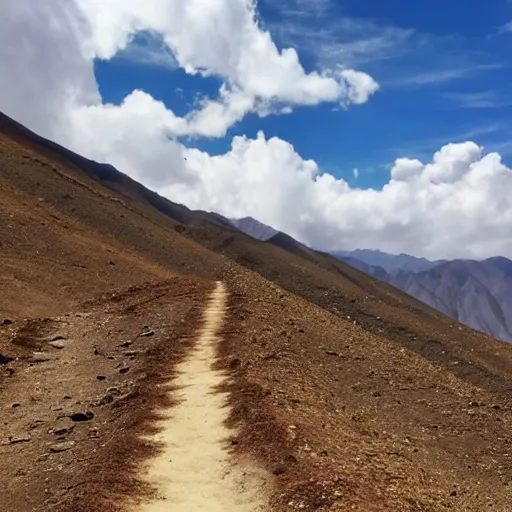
{"x": 475, "y": 293}
{"x": 343, "y": 392}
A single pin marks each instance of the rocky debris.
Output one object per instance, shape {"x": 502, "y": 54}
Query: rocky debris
{"x": 15, "y": 405}
{"x": 56, "y": 344}
{"x": 113, "y": 394}
{"x": 42, "y": 357}
{"x": 125, "y": 344}
{"x": 131, "y": 353}
{"x": 5, "y": 359}
{"x": 101, "y": 377}
{"x": 62, "y": 447}
{"x": 62, "y": 427}
{"x": 147, "y": 333}
{"x": 109, "y": 397}
{"x": 94, "y": 433}
{"x": 6, "y": 322}
{"x": 82, "y": 416}
{"x": 331, "y": 353}
{"x": 35, "y": 424}
{"x": 22, "y": 438}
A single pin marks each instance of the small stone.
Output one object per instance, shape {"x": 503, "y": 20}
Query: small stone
{"x": 453, "y": 493}
{"x": 101, "y": 377}
{"x": 94, "y": 433}
{"x": 57, "y": 344}
{"x": 64, "y": 426}
{"x": 15, "y": 405}
{"x": 22, "y": 438}
{"x": 131, "y": 353}
{"x": 125, "y": 369}
{"x": 7, "y": 322}
{"x": 62, "y": 447}
{"x": 41, "y": 357}
{"x": 331, "y": 353}
{"x": 147, "y": 333}
{"x": 110, "y": 396}
{"x": 125, "y": 344}
{"x": 57, "y": 338}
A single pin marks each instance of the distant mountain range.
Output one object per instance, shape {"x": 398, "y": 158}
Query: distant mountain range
{"x": 389, "y": 262}
{"x": 475, "y": 293}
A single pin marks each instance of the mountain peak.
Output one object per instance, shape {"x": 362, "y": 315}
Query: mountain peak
{"x": 254, "y": 228}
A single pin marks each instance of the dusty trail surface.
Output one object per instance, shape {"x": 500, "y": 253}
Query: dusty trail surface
{"x": 193, "y": 471}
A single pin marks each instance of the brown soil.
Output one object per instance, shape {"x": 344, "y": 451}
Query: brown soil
{"x": 105, "y": 368}
{"x": 351, "y": 394}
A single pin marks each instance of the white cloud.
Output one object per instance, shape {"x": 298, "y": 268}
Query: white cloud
{"x": 361, "y": 86}
{"x": 222, "y": 38}
{"x": 506, "y": 28}
{"x": 42, "y": 70}
{"x": 481, "y": 99}
{"x": 355, "y": 172}
{"x": 441, "y": 76}
{"x": 456, "y": 205}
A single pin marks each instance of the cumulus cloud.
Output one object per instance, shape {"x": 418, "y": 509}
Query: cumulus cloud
{"x": 238, "y": 50}
{"x": 43, "y": 71}
{"x": 456, "y": 205}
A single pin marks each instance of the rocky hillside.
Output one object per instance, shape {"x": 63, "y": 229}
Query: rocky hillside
{"x": 348, "y": 393}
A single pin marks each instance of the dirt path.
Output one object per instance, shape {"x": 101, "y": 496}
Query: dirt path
{"x": 194, "y": 471}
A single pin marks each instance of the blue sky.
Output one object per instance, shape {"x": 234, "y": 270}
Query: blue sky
{"x": 444, "y": 70}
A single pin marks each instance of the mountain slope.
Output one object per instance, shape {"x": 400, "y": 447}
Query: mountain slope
{"x": 391, "y": 263}
{"x": 351, "y": 394}
{"x": 476, "y": 293}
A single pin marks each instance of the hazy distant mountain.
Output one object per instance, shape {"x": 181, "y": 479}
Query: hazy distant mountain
{"x": 476, "y": 293}
{"x": 254, "y": 228}
{"x": 389, "y": 262}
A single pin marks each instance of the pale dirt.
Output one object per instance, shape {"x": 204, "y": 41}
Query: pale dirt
{"x": 194, "y": 470}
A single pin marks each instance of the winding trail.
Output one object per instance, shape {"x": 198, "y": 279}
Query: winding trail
{"x": 194, "y": 470}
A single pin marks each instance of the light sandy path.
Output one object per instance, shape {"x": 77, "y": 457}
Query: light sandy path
{"x": 194, "y": 471}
